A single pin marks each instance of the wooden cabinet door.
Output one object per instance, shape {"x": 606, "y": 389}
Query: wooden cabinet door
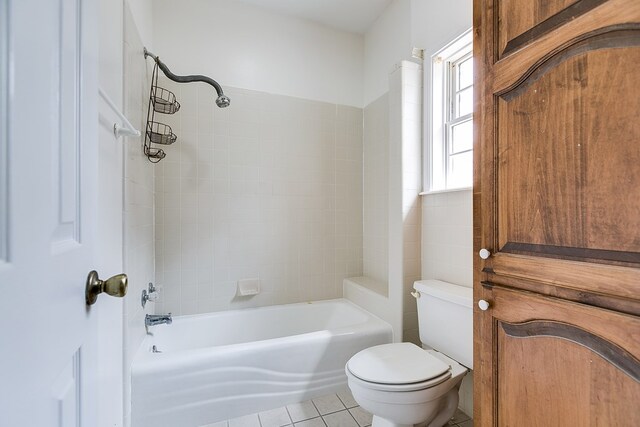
{"x": 563, "y": 363}
{"x": 556, "y": 197}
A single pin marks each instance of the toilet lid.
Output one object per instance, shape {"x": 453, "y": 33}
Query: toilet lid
{"x": 398, "y": 363}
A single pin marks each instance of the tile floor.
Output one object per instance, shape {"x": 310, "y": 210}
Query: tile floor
{"x": 333, "y": 410}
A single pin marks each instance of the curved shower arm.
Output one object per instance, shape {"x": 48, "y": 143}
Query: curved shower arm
{"x": 184, "y": 79}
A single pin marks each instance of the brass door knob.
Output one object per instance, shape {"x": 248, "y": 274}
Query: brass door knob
{"x": 115, "y": 286}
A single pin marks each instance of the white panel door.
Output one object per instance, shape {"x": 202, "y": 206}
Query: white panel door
{"x": 48, "y": 204}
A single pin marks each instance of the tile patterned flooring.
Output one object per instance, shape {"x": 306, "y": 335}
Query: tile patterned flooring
{"x": 333, "y": 410}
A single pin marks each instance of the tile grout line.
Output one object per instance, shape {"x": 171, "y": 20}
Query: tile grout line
{"x": 319, "y": 414}
{"x": 348, "y": 409}
{"x": 342, "y": 401}
{"x": 354, "y": 418}
{"x": 289, "y": 414}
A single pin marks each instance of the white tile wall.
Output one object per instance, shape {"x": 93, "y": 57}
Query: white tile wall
{"x": 269, "y": 188}
{"x": 405, "y": 124}
{"x": 376, "y": 190}
{"x": 411, "y": 188}
{"x": 447, "y": 237}
{"x": 138, "y": 200}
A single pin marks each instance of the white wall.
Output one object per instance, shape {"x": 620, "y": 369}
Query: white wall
{"x": 375, "y": 213}
{"x": 387, "y": 42}
{"x": 247, "y": 47}
{"x": 436, "y": 23}
{"x": 110, "y": 49}
{"x": 142, "y": 14}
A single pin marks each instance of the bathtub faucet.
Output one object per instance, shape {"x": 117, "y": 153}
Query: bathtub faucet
{"x": 157, "y": 319}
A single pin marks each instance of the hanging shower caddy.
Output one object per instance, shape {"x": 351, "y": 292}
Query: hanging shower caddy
{"x": 164, "y": 101}
{"x": 160, "y": 101}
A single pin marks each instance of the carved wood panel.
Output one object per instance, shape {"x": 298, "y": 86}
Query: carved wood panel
{"x": 520, "y": 22}
{"x": 556, "y": 360}
{"x": 564, "y": 171}
{"x": 549, "y": 371}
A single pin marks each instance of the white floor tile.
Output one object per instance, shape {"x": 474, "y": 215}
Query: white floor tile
{"x": 302, "y": 411}
{"x": 245, "y": 421}
{"x": 324, "y": 411}
{"x": 275, "y": 418}
{"x": 218, "y": 424}
{"x": 313, "y": 422}
{"x": 340, "y": 419}
{"x": 363, "y": 418}
{"x": 347, "y": 398}
{"x": 328, "y": 404}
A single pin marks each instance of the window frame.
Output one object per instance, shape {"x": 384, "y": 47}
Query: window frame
{"x": 441, "y": 118}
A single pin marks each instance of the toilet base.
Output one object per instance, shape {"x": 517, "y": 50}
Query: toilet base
{"x": 450, "y": 404}
{"x": 382, "y": 422}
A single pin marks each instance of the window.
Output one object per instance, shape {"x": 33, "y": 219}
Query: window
{"x": 450, "y": 151}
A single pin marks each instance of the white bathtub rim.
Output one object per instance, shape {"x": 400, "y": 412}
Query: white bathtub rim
{"x": 147, "y": 362}
{"x": 270, "y": 307}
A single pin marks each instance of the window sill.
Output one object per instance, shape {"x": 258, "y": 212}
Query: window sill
{"x": 449, "y": 190}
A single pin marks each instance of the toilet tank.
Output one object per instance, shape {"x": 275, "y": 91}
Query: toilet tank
{"x": 445, "y": 319}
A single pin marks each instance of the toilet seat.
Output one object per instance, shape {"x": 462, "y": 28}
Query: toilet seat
{"x": 400, "y": 387}
{"x": 397, "y": 367}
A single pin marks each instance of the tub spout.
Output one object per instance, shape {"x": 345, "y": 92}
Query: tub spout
{"x": 157, "y": 319}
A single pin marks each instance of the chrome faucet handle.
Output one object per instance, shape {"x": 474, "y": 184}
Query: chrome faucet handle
{"x": 148, "y": 295}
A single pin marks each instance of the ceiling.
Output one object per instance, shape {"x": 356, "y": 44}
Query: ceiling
{"x": 354, "y": 16}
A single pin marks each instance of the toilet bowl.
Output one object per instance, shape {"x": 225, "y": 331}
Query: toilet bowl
{"x": 402, "y": 384}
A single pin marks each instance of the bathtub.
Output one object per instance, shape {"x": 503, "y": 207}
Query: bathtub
{"x": 217, "y": 366}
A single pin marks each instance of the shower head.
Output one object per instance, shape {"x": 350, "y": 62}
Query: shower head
{"x": 223, "y": 101}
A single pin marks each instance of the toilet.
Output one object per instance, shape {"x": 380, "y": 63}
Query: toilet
{"x": 402, "y": 384}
